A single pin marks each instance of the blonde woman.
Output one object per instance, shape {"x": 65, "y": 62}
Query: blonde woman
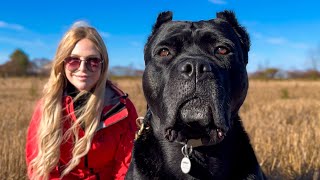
{"x": 83, "y": 127}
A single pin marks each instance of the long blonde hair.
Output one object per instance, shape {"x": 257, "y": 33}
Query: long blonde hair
{"x": 50, "y": 134}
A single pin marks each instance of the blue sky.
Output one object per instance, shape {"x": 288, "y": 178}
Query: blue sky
{"x": 282, "y": 32}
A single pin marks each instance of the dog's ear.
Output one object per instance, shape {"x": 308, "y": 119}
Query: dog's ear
{"x": 162, "y": 18}
{"x": 241, "y": 31}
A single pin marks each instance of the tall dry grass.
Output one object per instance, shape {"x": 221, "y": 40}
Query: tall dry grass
{"x": 282, "y": 119}
{"x": 17, "y": 98}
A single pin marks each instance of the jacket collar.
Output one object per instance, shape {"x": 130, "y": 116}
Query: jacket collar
{"x": 114, "y": 106}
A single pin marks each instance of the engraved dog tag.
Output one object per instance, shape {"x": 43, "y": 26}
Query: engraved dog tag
{"x": 185, "y": 162}
{"x": 185, "y": 165}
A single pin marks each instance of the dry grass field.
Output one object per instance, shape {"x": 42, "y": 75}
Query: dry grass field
{"x": 282, "y": 119}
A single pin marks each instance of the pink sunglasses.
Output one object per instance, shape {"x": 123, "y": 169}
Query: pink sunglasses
{"x": 92, "y": 63}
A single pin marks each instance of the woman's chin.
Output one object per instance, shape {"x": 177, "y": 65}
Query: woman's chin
{"x": 83, "y": 86}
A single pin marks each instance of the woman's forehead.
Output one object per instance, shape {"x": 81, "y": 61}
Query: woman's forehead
{"x": 85, "y": 47}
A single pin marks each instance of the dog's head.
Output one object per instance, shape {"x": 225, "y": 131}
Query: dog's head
{"x": 195, "y": 78}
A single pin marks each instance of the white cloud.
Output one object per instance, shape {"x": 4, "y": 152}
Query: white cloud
{"x": 11, "y": 26}
{"x": 279, "y": 41}
{"x": 80, "y": 23}
{"x": 21, "y": 43}
{"x": 276, "y": 40}
{"x": 284, "y": 41}
{"x": 105, "y": 34}
{"x": 257, "y": 35}
{"x": 218, "y": 1}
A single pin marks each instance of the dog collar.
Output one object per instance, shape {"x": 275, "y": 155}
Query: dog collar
{"x": 194, "y": 142}
{"x": 142, "y": 127}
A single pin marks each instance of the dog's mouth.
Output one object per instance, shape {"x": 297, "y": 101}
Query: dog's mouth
{"x": 196, "y": 125}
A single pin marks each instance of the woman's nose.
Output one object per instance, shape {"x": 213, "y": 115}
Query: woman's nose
{"x": 82, "y": 66}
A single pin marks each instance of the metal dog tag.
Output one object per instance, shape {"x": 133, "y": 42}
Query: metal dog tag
{"x": 185, "y": 165}
{"x": 185, "y": 162}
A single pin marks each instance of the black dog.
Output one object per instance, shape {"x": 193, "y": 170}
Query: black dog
{"x": 195, "y": 82}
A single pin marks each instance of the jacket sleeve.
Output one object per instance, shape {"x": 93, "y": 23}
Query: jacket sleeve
{"x": 123, "y": 156}
{"x": 31, "y": 141}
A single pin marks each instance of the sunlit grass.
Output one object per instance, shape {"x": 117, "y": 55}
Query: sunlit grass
{"x": 282, "y": 119}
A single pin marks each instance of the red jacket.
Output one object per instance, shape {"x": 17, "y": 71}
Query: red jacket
{"x": 110, "y": 152}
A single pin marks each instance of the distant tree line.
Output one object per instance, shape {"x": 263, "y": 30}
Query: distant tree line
{"x": 275, "y": 73}
{"x": 20, "y": 65}
{"x": 313, "y": 63}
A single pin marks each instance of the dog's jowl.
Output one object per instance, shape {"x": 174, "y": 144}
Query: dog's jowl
{"x": 195, "y": 81}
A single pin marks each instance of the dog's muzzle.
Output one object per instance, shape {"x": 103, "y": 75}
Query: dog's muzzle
{"x": 198, "y": 124}
{"x": 206, "y": 141}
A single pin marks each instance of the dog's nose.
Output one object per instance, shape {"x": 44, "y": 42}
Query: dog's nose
{"x": 192, "y": 68}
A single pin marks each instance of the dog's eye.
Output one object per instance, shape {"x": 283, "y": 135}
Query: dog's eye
{"x": 164, "y": 52}
{"x": 222, "y": 50}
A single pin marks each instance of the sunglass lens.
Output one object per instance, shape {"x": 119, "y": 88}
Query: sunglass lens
{"x": 93, "y": 64}
{"x": 72, "y": 63}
